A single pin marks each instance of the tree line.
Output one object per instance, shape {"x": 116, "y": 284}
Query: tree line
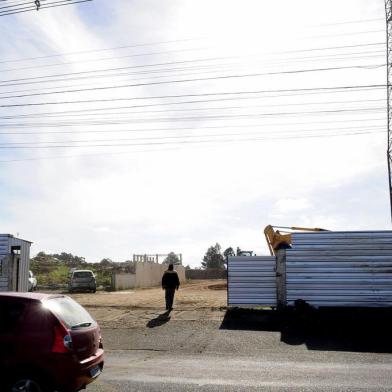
{"x": 213, "y": 258}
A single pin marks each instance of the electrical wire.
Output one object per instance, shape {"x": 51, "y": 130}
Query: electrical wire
{"x": 159, "y": 43}
{"x": 179, "y": 142}
{"x": 354, "y": 22}
{"x": 209, "y": 68}
{"x": 117, "y": 153}
{"x": 86, "y": 87}
{"x": 293, "y": 90}
{"x": 187, "y": 61}
{"x": 21, "y": 4}
{"x": 197, "y": 118}
{"x": 182, "y": 135}
{"x": 102, "y": 118}
{"x": 223, "y": 77}
{"x": 67, "y": 2}
{"x": 101, "y": 111}
{"x": 100, "y": 50}
{"x": 161, "y": 129}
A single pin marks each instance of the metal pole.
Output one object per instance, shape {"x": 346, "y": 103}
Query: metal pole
{"x": 388, "y": 16}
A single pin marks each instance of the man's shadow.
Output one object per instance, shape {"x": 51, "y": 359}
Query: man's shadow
{"x": 160, "y": 320}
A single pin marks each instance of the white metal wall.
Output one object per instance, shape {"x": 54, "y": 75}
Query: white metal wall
{"x": 251, "y": 280}
{"x": 340, "y": 268}
{"x": 4, "y": 253}
{"x": 6, "y": 242}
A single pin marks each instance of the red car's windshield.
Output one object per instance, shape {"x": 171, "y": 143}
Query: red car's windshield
{"x": 69, "y": 312}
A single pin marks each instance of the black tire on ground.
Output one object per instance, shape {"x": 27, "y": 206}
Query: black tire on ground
{"x": 27, "y": 383}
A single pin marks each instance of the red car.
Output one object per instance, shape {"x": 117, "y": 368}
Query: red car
{"x": 47, "y": 343}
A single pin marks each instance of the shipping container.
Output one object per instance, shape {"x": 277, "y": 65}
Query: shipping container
{"x": 324, "y": 269}
{"x": 14, "y": 263}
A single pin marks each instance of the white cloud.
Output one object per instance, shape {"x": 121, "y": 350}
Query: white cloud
{"x": 292, "y": 205}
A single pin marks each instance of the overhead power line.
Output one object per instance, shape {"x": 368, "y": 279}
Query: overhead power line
{"x": 215, "y": 67}
{"x": 102, "y": 111}
{"x": 192, "y": 60}
{"x": 55, "y": 4}
{"x": 174, "y": 128}
{"x": 99, "y": 50}
{"x": 101, "y": 154}
{"x": 223, "y": 77}
{"x": 160, "y": 73}
{"x": 225, "y": 93}
{"x": 348, "y": 33}
{"x": 354, "y": 22}
{"x": 197, "y": 118}
{"x": 159, "y": 43}
{"x": 158, "y": 143}
{"x": 16, "y": 5}
{"x": 198, "y": 135}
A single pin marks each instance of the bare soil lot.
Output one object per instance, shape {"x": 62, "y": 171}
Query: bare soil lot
{"x": 198, "y": 300}
{"x": 201, "y": 322}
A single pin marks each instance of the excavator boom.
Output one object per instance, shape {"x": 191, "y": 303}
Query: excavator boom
{"x": 276, "y": 240}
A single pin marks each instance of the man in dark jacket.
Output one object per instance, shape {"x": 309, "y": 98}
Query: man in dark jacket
{"x": 170, "y": 283}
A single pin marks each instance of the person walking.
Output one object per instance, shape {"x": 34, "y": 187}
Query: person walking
{"x": 170, "y": 283}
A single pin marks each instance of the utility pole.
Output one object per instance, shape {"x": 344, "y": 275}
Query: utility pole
{"x": 388, "y": 15}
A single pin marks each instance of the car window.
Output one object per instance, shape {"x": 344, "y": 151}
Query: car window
{"x": 69, "y": 312}
{"x": 82, "y": 274}
{"x": 10, "y": 314}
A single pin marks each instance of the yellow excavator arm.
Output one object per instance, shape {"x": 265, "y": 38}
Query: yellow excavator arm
{"x": 276, "y": 240}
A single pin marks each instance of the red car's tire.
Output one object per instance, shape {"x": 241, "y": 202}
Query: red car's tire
{"x": 28, "y": 384}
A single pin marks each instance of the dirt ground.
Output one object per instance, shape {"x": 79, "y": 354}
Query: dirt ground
{"x": 198, "y": 300}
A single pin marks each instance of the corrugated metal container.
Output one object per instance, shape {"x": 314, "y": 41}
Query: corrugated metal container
{"x": 251, "y": 281}
{"x": 14, "y": 266}
{"x": 340, "y": 268}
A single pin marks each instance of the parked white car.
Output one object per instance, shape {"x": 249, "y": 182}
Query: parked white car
{"x": 82, "y": 280}
{"x": 32, "y": 281}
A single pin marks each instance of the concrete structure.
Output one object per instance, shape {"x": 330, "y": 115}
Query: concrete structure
{"x": 346, "y": 268}
{"x": 14, "y": 263}
{"x": 153, "y": 258}
{"x": 123, "y": 281}
{"x": 146, "y": 275}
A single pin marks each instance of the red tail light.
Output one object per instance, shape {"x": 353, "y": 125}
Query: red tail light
{"x": 62, "y": 342}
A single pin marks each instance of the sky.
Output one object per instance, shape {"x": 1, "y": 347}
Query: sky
{"x": 133, "y": 127}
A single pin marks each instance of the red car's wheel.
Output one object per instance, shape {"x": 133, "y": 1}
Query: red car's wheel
{"x": 28, "y": 384}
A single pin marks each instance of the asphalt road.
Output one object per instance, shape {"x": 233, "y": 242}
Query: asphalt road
{"x": 249, "y": 351}
{"x": 158, "y": 371}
